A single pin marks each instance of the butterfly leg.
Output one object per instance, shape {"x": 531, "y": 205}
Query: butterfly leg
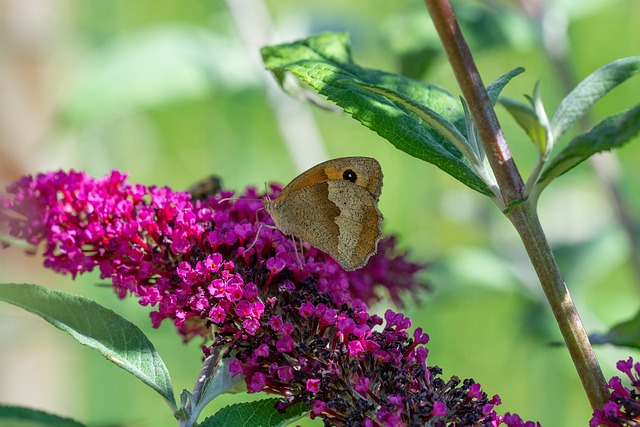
{"x": 256, "y": 238}
{"x": 295, "y": 248}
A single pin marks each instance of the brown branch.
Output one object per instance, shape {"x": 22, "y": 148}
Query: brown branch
{"x": 521, "y": 213}
{"x": 474, "y": 92}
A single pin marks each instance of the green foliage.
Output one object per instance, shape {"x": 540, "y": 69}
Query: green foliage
{"x": 441, "y": 125}
{"x": 191, "y": 140}
{"x": 324, "y": 62}
{"x": 13, "y": 416}
{"x": 528, "y": 120}
{"x": 590, "y": 90}
{"x": 611, "y": 133}
{"x": 261, "y": 413}
{"x": 425, "y": 121}
{"x": 532, "y": 119}
{"x": 495, "y": 88}
{"x": 214, "y": 379}
{"x": 120, "y": 341}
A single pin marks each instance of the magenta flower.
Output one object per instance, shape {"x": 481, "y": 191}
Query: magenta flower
{"x": 313, "y": 385}
{"x": 176, "y": 255}
{"x": 297, "y": 323}
{"x": 623, "y": 408}
{"x": 439, "y": 409}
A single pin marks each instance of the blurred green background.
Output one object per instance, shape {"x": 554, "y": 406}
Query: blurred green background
{"x": 172, "y": 91}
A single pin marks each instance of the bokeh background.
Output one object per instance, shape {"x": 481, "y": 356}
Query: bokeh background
{"x": 171, "y": 91}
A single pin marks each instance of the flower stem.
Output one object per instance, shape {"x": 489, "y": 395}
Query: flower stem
{"x": 521, "y": 212}
{"x": 525, "y": 220}
{"x": 475, "y": 94}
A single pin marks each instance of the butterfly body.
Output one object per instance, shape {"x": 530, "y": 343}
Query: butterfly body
{"x": 334, "y": 207}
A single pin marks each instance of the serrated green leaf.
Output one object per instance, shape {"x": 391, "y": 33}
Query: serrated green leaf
{"x": 612, "y": 132}
{"x": 528, "y": 120}
{"x": 590, "y": 90}
{"x": 120, "y": 341}
{"x": 324, "y": 63}
{"x": 495, "y": 88}
{"x": 15, "y": 416}
{"x": 261, "y": 413}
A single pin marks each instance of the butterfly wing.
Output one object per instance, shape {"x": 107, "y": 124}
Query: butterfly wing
{"x": 306, "y": 214}
{"x": 367, "y": 170}
{"x": 359, "y": 222}
{"x": 333, "y": 206}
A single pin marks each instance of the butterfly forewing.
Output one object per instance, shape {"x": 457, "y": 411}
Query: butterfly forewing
{"x": 333, "y": 206}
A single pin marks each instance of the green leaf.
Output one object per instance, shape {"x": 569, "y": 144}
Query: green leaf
{"x": 590, "y": 90}
{"x": 120, "y": 341}
{"x": 494, "y": 89}
{"x": 261, "y": 413}
{"x": 625, "y": 334}
{"x": 14, "y": 416}
{"x": 429, "y": 116}
{"x": 213, "y": 380}
{"x": 470, "y": 148}
{"x": 612, "y": 132}
{"x": 528, "y": 120}
{"x": 324, "y": 63}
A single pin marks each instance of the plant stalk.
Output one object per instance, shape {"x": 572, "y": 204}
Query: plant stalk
{"x": 520, "y": 212}
{"x": 475, "y": 94}
{"x": 526, "y": 222}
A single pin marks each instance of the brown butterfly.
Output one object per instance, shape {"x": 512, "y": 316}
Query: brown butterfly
{"x": 334, "y": 207}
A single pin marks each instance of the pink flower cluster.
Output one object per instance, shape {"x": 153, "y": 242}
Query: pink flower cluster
{"x": 623, "y": 408}
{"x": 296, "y": 323}
{"x": 177, "y": 255}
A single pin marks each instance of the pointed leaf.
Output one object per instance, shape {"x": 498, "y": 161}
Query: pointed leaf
{"x": 95, "y": 326}
{"x": 612, "y": 132}
{"x": 221, "y": 381}
{"x": 546, "y": 141}
{"x": 473, "y": 140}
{"x": 14, "y": 416}
{"x": 528, "y": 120}
{"x": 494, "y": 89}
{"x": 260, "y": 413}
{"x": 215, "y": 382}
{"x": 324, "y": 63}
{"x": 590, "y": 90}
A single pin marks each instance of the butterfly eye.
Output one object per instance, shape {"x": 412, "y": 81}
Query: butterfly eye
{"x": 349, "y": 175}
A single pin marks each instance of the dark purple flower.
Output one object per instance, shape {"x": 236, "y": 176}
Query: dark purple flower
{"x": 258, "y": 382}
{"x": 285, "y": 373}
{"x": 319, "y": 407}
{"x": 439, "y": 409}
{"x": 623, "y": 407}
